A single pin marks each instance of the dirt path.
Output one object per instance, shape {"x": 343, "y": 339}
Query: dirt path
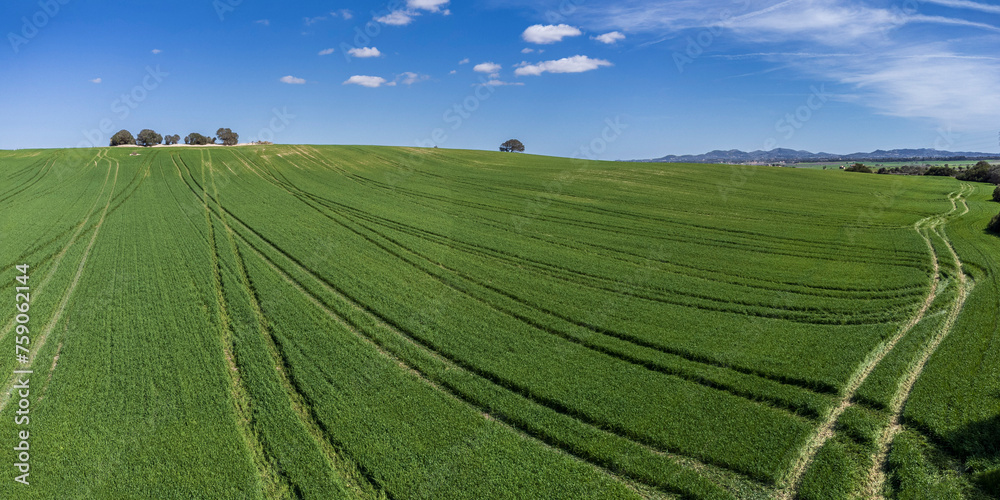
{"x": 876, "y": 475}
{"x": 824, "y": 432}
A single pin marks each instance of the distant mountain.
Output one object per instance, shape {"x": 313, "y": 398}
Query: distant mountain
{"x": 793, "y": 156}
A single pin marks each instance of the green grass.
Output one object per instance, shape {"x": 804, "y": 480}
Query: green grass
{"x": 367, "y": 322}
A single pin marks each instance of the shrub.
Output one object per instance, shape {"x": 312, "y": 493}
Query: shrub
{"x": 941, "y": 171}
{"x": 994, "y": 225}
{"x": 858, "y": 167}
{"x": 996, "y": 194}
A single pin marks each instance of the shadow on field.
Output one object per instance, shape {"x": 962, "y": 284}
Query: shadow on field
{"x": 979, "y": 444}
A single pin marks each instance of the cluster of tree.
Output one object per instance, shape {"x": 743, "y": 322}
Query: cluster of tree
{"x": 196, "y": 139}
{"x": 982, "y": 172}
{"x": 904, "y": 170}
{"x": 858, "y": 167}
{"x": 148, "y": 138}
{"x": 512, "y": 146}
{"x": 939, "y": 171}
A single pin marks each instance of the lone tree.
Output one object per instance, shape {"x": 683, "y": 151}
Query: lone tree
{"x": 228, "y": 137}
{"x": 512, "y": 146}
{"x": 858, "y": 167}
{"x": 122, "y": 138}
{"x": 148, "y": 138}
{"x": 171, "y": 139}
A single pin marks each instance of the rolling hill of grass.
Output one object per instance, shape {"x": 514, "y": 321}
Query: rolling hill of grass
{"x": 370, "y": 322}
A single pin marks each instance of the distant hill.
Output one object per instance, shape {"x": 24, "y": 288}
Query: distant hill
{"x": 793, "y": 156}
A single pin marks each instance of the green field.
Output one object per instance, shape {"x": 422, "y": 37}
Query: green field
{"x": 369, "y": 322}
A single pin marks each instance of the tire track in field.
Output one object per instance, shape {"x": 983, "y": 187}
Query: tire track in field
{"x": 758, "y": 399}
{"x": 273, "y": 483}
{"x": 39, "y": 342}
{"x": 876, "y": 474}
{"x": 59, "y": 256}
{"x": 406, "y": 337}
{"x": 826, "y": 431}
{"x": 819, "y": 290}
{"x": 806, "y": 385}
{"x": 607, "y": 228}
{"x": 801, "y": 384}
{"x": 353, "y": 478}
{"x": 456, "y": 364}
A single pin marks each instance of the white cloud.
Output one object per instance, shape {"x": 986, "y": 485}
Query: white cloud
{"x": 409, "y": 78}
{"x": 372, "y": 82}
{"x": 452, "y": 72}
{"x": 464, "y": 61}
{"x": 527, "y": 50}
{"x": 547, "y": 34}
{"x": 364, "y": 52}
{"x": 309, "y": 21}
{"x": 575, "y": 64}
{"x": 291, "y": 80}
{"x": 96, "y": 80}
{"x": 396, "y": 18}
{"x": 428, "y": 5}
{"x": 609, "y": 38}
{"x": 326, "y": 52}
{"x": 344, "y": 13}
{"x": 157, "y": 51}
{"x": 265, "y": 22}
{"x": 490, "y": 68}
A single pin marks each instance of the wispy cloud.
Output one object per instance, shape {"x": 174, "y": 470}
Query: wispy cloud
{"x": 343, "y": 13}
{"x": 309, "y": 21}
{"x": 96, "y": 80}
{"x": 901, "y": 59}
{"x": 265, "y": 22}
{"x": 575, "y": 64}
{"x": 547, "y": 34}
{"x": 396, "y": 18}
{"x": 157, "y": 51}
{"x": 965, "y": 4}
{"x": 291, "y": 80}
{"x": 464, "y": 61}
{"x": 409, "y": 78}
{"x": 371, "y": 82}
{"x": 326, "y": 52}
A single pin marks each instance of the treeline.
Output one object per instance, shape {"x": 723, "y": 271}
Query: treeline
{"x": 148, "y": 138}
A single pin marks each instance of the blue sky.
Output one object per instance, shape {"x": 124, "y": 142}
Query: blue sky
{"x": 609, "y": 80}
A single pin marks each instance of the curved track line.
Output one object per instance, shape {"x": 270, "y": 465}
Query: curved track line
{"x": 825, "y": 431}
{"x": 876, "y": 474}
